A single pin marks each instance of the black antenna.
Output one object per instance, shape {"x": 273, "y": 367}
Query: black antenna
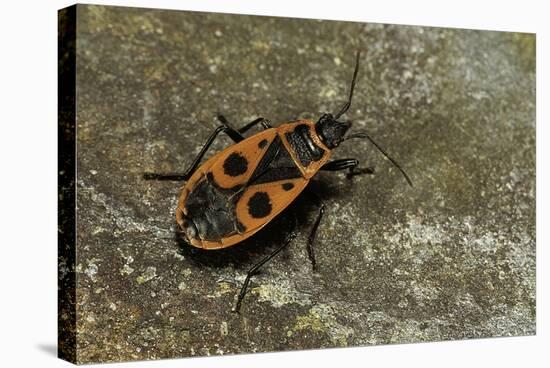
{"x": 346, "y": 106}
{"x": 365, "y": 135}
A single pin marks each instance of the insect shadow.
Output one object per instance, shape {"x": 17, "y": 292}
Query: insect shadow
{"x": 297, "y": 217}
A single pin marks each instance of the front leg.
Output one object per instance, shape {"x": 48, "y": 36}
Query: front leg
{"x": 347, "y": 164}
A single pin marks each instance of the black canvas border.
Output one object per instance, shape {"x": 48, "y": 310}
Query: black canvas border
{"x": 66, "y": 174}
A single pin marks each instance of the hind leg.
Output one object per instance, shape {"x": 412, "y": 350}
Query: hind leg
{"x": 225, "y": 127}
{"x": 235, "y": 135}
{"x": 256, "y": 268}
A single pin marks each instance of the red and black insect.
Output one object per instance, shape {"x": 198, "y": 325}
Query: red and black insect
{"x": 241, "y": 189}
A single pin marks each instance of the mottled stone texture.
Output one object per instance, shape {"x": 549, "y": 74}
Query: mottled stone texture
{"x": 451, "y": 258}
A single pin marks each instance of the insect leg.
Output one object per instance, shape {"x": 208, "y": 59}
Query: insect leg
{"x": 264, "y": 122}
{"x": 313, "y": 233}
{"x": 347, "y": 163}
{"x": 254, "y": 270}
{"x": 232, "y": 133}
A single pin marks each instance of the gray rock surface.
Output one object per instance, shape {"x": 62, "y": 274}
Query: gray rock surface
{"x": 451, "y": 258}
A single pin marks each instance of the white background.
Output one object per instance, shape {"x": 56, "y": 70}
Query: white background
{"x": 28, "y": 191}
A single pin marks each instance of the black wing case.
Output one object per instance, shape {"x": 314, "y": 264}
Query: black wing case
{"x": 275, "y": 165}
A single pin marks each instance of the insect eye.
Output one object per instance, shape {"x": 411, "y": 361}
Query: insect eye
{"x": 326, "y": 117}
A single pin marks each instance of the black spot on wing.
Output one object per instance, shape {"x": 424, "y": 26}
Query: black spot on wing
{"x": 288, "y": 186}
{"x": 235, "y": 165}
{"x": 259, "y": 205}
